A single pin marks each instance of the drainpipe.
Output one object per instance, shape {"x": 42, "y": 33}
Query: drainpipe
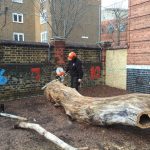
{"x": 49, "y": 52}
{"x": 5, "y": 13}
{"x": 100, "y": 22}
{"x": 100, "y": 51}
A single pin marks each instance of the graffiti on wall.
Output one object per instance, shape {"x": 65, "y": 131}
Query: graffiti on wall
{"x": 92, "y": 73}
{"x": 27, "y": 74}
{"x": 142, "y": 80}
{"x": 36, "y": 73}
{"x": 14, "y": 76}
{"x": 3, "y": 79}
{"x": 59, "y": 56}
{"x": 95, "y": 72}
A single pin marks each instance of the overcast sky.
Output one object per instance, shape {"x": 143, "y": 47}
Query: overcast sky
{"x": 108, "y": 3}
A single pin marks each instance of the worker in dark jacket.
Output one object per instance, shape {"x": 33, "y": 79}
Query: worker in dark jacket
{"x": 74, "y": 67}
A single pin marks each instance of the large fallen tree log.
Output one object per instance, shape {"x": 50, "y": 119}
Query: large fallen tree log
{"x": 129, "y": 109}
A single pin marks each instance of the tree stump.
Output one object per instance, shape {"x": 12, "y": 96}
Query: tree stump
{"x": 130, "y": 109}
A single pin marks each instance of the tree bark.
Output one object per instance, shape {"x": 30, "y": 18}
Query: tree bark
{"x": 130, "y": 109}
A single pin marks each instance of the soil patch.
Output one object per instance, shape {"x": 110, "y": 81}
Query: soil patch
{"x": 76, "y": 134}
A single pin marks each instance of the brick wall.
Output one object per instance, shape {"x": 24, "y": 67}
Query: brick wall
{"x": 14, "y": 53}
{"x": 139, "y": 33}
{"x": 138, "y": 59}
{"x": 138, "y": 80}
{"x": 26, "y": 67}
{"x": 112, "y": 37}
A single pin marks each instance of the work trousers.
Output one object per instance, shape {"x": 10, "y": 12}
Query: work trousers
{"x": 74, "y": 83}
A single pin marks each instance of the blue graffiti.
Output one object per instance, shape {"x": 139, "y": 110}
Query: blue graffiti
{"x": 3, "y": 80}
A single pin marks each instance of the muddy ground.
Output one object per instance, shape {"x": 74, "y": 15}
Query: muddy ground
{"x": 76, "y": 134}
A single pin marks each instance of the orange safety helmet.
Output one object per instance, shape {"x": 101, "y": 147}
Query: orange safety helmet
{"x": 72, "y": 55}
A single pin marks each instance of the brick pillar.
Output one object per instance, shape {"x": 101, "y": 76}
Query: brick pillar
{"x": 104, "y": 62}
{"x": 59, "y": 47}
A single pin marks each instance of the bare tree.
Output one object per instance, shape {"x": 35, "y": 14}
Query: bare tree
{"x": 116, "y": 17}
{"x": 119, "y": 23}
{"x": 61, "y": 15}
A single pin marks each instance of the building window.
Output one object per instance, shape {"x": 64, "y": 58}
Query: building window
{"x": 17, "y": 1}
{"x": 110, "y": 28}
{"x": 43, "y": 17}
{"x": 18, "y": 36}
{"x": 17, "y": 17}
{"x": 42, "y": 1}
{"x": 122, "y": 27}
{"x": 44, "y": 37}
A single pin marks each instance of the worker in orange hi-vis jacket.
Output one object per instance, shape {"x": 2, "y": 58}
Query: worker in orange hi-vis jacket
{"x": 74, "y": 68}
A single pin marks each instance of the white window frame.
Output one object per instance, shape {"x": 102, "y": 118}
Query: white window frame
{"x": 17, "y": 1}
{"x": 18, "y": 34}
{"x": 43, "y": 17}
{"x": 44, "y": 37}
{"x": 42, "y": 1}
{"x": 18, "y": 15}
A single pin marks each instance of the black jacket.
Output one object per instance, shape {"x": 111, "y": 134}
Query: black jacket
{"x": 74, "y": 67}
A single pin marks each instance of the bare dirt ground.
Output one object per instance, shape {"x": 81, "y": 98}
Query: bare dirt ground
{"x": 55, "y": 121}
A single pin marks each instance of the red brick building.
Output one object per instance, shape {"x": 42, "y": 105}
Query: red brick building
{"x": 137, "y": 38}
{"x": 114, "y": 22}
{"x": 138, "y": 60}
{"x": 109, "y": 34}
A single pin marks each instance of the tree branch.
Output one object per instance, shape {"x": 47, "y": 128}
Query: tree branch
{"x": 49, "y": 136}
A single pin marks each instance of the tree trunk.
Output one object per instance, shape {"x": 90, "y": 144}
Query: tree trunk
{"x": 129, "y": 109}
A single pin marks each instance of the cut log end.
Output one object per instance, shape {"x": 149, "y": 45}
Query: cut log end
{"x": 144, "y": 120}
